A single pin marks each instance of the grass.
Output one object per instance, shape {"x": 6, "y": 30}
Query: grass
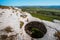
{"x": 43, "y": 17}
{"x": 21, "y": 24}
{"x": 36, "y": 33}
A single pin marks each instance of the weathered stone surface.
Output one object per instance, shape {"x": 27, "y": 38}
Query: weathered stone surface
{"x": 10, "y": 18}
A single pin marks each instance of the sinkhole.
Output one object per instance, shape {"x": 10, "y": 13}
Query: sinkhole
{"x": 35, "y": 29}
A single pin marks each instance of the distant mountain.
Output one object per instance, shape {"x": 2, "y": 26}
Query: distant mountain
{"x": 51, "y": 7}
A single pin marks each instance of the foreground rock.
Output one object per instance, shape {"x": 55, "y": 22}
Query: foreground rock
{"x": 9, "y": 23}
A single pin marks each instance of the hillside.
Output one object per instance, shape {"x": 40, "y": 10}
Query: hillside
{"x": 16, "y": 24}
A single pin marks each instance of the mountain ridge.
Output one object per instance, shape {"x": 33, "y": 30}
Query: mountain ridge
{"x": 50, "y": 7}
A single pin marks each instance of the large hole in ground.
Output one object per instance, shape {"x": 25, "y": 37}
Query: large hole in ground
{"x": 35, "y": 29}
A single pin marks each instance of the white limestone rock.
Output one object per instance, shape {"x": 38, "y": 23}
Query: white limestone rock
{"x": 11, "y": 18}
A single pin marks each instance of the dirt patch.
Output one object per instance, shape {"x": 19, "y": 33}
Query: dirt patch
{"x": 8, "y": 29}
{"x": 57, "y": 34}
{"x": 24, "y": 16}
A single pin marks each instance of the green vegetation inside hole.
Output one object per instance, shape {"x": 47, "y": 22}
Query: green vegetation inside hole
{"x": 36, "y": 33}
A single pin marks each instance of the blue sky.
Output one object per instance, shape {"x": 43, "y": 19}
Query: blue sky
{"x": 29, "y": 2}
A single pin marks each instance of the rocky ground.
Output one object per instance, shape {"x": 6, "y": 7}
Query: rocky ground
{"x": 13, "y": 21}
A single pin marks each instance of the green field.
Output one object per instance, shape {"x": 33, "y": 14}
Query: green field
{"x": 43, "y": 17}
{"x": 43, "y": 13}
